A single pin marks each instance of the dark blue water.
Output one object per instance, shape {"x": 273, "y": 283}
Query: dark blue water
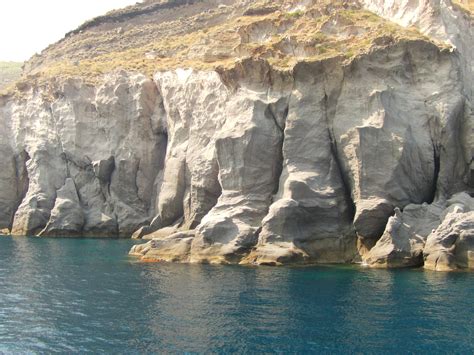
{"x": 74, "y": 296}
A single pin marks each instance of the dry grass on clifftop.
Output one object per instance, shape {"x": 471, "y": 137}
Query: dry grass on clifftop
{"x": 9, "y": 72}
{"x": 204, "y": 36}
{"x": 466, "y": 4}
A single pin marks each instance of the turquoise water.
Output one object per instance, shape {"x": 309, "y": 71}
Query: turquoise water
{"x": 75, "y": 296}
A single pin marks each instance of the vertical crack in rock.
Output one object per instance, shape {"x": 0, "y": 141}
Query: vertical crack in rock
{"x": 172, "y": 192}
{"x": 22, "y": 181}
{"x": 159, "y": 123}
{"x": 156, "y": 222}
{"x": 278, "y": 112}
{"x": 279, "y": 165}
{"x": 436, "y": 172}
{"x": 162, "y": 148}
{"x": 308, "y": 221}
{"x": 453, "y": 166}
{"x": 128, "y": 206}
{"x": 335, "y": 155}
{"x": 332, "y": 92}
{"x": 103, "y": 170}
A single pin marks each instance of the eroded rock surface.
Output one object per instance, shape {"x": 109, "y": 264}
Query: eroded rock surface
{"x": 311, "y": 162}
{"x": 426, "y": 235}
{"x": 332, "y": 159}
{"x": 108, "y": 142}
{"x": 67, "y": 216}
{"x": 451, "y": 245}
{"x": 403, "y": 240}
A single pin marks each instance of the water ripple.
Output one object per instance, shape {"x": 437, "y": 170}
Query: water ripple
{"x": 75, "y": 296}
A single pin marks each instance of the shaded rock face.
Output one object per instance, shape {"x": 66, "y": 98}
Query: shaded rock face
{"x": 404, "y": 242}
{"x": 447, "y": 22}
{"x": 393, "y": 149}
{"x": 9, "y": 195}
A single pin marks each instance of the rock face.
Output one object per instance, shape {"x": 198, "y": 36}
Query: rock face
{"x": 448, "y": 22}
{"x": 403, "y": 240}
{"x": 310, "y": 162}
{"x": 67, "y": 217}
{"x": 451, "y": 245}
{"x": 331, "y": 160}
{"x": 105, "y": 144}
{"x": 415, "y": 237}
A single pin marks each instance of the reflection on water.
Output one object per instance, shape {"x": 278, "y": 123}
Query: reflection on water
{"x": 86, "y": 295}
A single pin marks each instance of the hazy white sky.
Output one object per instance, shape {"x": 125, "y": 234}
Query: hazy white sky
{"x": 29, "y": 26}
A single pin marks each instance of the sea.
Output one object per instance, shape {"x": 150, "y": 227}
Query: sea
{"x": 88, "y": 296}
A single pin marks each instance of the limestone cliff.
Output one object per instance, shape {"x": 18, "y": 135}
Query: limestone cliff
{"x": 258, "y": 133}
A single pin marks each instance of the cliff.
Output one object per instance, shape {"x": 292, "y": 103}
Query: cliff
{"x": 252, "y": 132}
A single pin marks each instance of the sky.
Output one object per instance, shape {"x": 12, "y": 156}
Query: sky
{"x": 29, "y": 26}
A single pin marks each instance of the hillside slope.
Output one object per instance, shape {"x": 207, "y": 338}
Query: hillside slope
{"x": 208, "y": 34}
{"x": 9, "y": 72}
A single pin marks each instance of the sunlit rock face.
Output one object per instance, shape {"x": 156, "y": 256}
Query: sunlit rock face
{"x": 438, "y": 236}
{"x": 102, "y": 146}
{"x": 310, "y": 163}
{"x": 329, "y": 161}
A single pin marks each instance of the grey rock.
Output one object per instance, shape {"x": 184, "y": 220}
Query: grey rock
{"x": 173, "y": 248}
{"x": 110, "y": 139}
{"x": 451, "y": 245}
{"x": 47, "y": 173}
{"x": 410, "y": 236}
{"x": 103, "y": 169}
{"x": 310, "y": 219}
{"x": 444, "y": 21}
{"x": 404, "y": 238}
{"x": 67, "y": 216}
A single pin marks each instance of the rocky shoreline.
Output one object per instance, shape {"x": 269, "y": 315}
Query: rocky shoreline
{"x": 329, "y": 161}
